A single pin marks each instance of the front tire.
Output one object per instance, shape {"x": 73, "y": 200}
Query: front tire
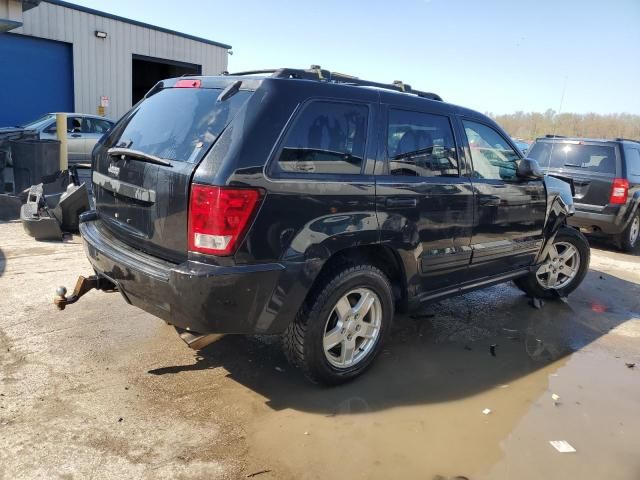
{"x": 628, "y": 239}
{"x": 342, "y": 325}
{"x": 563, "y": 270}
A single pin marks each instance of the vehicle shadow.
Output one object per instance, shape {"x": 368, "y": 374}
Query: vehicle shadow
{"x": 457, "y": 348}
{"x": 609, "y": 246}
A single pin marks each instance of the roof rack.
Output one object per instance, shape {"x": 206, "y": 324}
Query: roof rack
{"x": 627, "y": 140}
{"x": 318, "y": 74}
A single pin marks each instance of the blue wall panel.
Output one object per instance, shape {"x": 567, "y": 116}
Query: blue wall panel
{"x": 36, "y": 77}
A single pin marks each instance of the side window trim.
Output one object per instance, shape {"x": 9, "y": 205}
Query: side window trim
{"x": 384, "y": 146}
{"x": 271, "y": 169}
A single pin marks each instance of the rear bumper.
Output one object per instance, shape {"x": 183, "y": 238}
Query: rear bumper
{"x": 604, "y": 223}
{"x": 196, "y": 296}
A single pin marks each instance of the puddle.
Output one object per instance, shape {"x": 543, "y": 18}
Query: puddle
{"x": 418, "y": 413}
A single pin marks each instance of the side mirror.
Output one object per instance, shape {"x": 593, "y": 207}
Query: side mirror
{"x": 528, "y": 169}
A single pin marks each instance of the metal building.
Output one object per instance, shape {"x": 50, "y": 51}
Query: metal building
{"x": 58, "y": 56}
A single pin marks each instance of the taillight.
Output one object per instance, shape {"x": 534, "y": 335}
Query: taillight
{"x": 619, "y": 191}
{"x": 188, "y": 83}
{"x": 219, "y": 217}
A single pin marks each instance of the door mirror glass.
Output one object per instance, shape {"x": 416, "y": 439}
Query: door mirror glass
{"x": 528, "y": 169}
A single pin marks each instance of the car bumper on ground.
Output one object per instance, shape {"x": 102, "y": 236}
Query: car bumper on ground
{"x": 199, "y": 297}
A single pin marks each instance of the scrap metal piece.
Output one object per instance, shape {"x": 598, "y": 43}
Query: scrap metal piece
{"x": 197, "y": 341}
{"x": 38, "y": 220}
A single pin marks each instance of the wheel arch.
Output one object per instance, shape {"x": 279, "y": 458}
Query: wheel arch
{"x": 379, "y": 256}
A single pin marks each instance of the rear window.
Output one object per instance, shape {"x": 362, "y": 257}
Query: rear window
{"x": 177, "y": 123}
{"x": 326, "y": 138}
{"x": 594, "y": 158}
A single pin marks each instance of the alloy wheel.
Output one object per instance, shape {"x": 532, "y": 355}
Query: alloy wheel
{"x": 353, "y": 328}
{"x": 634, "y": 230}
{"x": 560, "y": 267}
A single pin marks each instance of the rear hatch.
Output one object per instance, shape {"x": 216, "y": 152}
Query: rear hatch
{"x": 591, "y": 165}
{"x": 142, "y": 170}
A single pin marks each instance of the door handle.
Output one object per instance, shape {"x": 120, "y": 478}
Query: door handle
{"x": 488, "y": 201}
{"x": 401, "y": 202}
{"x": 76, "y": 135}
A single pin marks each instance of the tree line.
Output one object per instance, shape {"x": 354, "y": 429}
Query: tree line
{"x": 530, "y": 125}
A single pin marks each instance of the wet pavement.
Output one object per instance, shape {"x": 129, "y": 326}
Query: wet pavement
{"x": 103, "y": 390}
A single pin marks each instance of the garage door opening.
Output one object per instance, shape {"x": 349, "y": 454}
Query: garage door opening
{"x": 147, "y": 71}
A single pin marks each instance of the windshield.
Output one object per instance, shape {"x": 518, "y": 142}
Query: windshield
{"x": 595, "y": 158}
{"x": 38, "y": 123}
{"x": 177, "y": 123}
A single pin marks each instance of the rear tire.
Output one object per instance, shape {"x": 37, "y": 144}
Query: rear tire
{"x": 333, "y": 339}
{"x": 628, "y": 239}
{"x": 565, "y": 275}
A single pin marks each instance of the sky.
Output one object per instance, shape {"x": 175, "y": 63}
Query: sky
{"x": 495, "y": 56}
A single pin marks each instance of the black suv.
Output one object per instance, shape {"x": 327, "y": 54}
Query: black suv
{"x": 606, "y": 176}
{"x": 312, "y": 204}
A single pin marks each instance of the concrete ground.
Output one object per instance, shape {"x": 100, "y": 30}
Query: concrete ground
{"x": 103, "y": 390}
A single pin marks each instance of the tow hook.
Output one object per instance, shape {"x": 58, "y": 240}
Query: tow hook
{"x": 83, "y": 285}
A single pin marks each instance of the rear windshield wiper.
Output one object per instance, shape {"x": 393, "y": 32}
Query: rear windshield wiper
{"x": 573, "y": 165}
{"x": 138, "y": 155}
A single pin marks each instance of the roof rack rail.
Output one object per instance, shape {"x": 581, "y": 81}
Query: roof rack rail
{"x": 318, "y": 74}
{"x": 548, "y": 135}
{"x": 627, "y": 140}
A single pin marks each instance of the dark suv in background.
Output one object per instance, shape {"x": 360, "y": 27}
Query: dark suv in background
{"x": 606, "y": 178}
{"x": 312, "y": 204}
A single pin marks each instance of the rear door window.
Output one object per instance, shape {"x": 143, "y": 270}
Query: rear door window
{"x": 576, "y": 156}
{"x": 95, "y": 125}
{"x": 632, "y": 158}
{"x": 326, "y": 138}
{"x": 178, "y": 124}
{"x": 420, "y": 144}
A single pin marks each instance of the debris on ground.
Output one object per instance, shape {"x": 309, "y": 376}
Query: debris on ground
{"x": 306, "y": 433}
{"x": 486, "y": 411}
{"x": 492, "y": 349}
{"x": 555, "y": 398}
{"x": 259, "y": 472}
{"x": 562, "y": 446}
{"x": 279, "y": 369}
{"x": 536, "y": 303}
{"x": 53, "y": 207}
{"x": 564, "y": 300}
{"x": 504, "y": 386}
{"x": 630, "y": 365}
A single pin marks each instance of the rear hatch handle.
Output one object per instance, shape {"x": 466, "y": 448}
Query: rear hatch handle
{"x": 120, "y": 153}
